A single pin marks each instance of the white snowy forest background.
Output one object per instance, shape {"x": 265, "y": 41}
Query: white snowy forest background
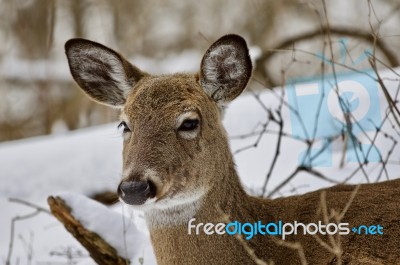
{"x": 54, "y": 141}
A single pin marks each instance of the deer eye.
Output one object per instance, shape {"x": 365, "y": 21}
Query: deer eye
{"x": 189, "y": 125}
{"x": 124, "y": 126}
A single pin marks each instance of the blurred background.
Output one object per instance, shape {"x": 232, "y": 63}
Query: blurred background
{"x": 288, "y": 40}
{"x": 39, "y": 97}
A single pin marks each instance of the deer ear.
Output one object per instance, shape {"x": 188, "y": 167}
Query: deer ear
{"x": 101, "y": 72}
{"x": 226, "y": 68}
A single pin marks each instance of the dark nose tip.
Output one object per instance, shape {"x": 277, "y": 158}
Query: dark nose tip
{"x": 136, "y": 192}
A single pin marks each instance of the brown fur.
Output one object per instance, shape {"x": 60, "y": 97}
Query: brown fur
{"x": 181, "y": 167}
{"x": 373, "y": 204}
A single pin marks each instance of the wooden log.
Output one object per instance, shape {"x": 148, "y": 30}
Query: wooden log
{"x": 101, "y": 252}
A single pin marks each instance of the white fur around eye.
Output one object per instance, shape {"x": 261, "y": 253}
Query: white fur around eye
{"x": 188, "y": 135}
{"x": 127, "y": 135}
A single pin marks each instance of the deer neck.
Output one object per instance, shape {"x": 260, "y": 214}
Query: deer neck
{"x": 221, "y": 204}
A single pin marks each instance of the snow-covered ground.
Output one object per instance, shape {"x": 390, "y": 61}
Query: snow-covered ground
{"x": 89, "y": 160}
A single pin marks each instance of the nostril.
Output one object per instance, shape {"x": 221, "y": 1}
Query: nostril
{"x": 136, "y": 192}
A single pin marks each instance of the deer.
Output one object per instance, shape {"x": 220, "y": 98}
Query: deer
{"x": 178, "y": 168}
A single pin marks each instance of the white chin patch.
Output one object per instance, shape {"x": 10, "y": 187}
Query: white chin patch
{"x": 171, "y": 211}
{"x": 166, "y": 203}
{"x": 178, "y": 200}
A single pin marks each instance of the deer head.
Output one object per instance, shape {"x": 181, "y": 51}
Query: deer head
{"x": 175, "y": 147}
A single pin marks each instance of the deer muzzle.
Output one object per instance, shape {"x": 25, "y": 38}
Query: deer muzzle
{"x": 136, "y": 192}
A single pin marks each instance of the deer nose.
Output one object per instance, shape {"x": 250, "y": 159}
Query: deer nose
{"x": 136, "y": 192}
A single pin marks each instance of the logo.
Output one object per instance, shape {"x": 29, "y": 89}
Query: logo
{"x": 281, "y": 229}
{"x": 327, "y": 106}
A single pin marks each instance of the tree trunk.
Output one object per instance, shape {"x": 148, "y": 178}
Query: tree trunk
{"x": 99, "y": 250}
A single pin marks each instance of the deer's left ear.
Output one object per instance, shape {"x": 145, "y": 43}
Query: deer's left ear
{"x": 226, "y": 68}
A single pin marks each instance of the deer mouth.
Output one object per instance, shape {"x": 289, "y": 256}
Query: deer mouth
{"x": 136, "y": 192}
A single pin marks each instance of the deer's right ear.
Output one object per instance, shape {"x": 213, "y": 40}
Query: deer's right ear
{"x": 101, "y": 72}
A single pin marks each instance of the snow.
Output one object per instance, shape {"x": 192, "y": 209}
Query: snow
{"x": 86, "y": 161}
{"x": 129, "y": 239}
{"x": 44, "y": 231}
